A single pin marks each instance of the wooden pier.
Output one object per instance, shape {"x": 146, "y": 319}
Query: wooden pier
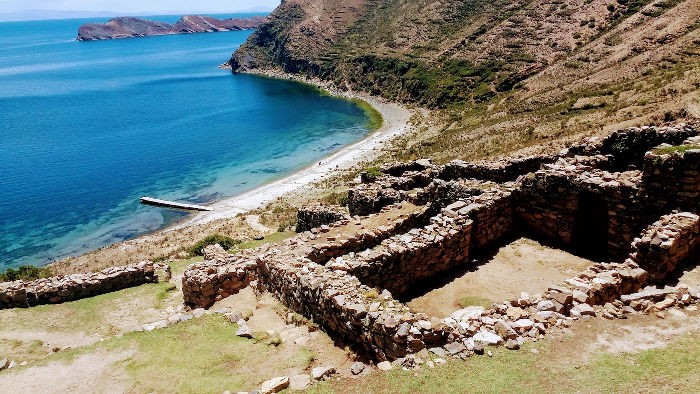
{"x": 172, "y": 204}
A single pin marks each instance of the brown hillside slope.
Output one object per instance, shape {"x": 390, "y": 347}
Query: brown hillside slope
{"x": 506, "y": 74}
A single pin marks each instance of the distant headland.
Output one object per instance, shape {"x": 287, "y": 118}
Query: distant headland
{"x": 129, "y": 27}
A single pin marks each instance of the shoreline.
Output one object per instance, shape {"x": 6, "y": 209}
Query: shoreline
{"x": 169, "y": 241}
{"x": 395, "y": 122}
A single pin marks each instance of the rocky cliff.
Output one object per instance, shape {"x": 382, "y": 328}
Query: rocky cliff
{"x": 127, "y": 27}
{"x": 437, "y": 53}
{"x": 505, "y": 74}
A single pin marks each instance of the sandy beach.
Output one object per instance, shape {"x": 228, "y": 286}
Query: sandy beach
{"x": 224, "y": 217}
{"x": 395, "y": 123}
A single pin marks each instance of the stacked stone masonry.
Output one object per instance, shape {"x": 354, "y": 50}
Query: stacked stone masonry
{"x": 592, "y": 198}
{"x": 667, "y": 244}
{"x": 21, "y": 294}
{"x": 316, "y": 216}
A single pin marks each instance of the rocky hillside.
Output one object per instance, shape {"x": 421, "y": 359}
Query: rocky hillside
{"x": 532, "y": 67}
{"x": 127, "y": 27}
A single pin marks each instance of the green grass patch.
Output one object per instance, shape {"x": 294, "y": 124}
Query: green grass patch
{"x": 203, "y": 356}
{"x": 468, "y": 301}
{"x": 92, "y": 315}
{"x": 270, "y": 239}
{"x": 179, "y": 266}
{"x": 680, "y": 149}
{"x": 225, "y": 242}
{"x": 671, "y": 369}
{"x": 374, "y": 117}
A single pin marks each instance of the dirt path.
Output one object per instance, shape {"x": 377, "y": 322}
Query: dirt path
{"x": 91, "y": 373}
{"x": 254, "y": 223}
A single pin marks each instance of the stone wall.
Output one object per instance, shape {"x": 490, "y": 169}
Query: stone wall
{"x": 628, "y": 147}
{"x": 672, "y": 180}
{"x": 205, "y": 283}
{"x": 403, "y": 261}
{"x": 345, "y": 276}
{"x": 316, "y": 216}
{"x": 567, "y": 201}
{"x": 492, "y": 215}
{"x": 61, "y": 289}
{"x": 499, "y": 171}
{"x": 666, "y": 244}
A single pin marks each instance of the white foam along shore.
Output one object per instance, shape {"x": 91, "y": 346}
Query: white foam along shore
{"x": 395, "y": 123}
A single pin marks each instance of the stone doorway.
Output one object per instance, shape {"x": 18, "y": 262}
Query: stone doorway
{"x": 591, "y": 223}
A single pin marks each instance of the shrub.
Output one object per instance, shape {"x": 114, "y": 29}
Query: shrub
{"x": 24, "y": 272}
{"x": 225, "y": 242}
{"x": 371, "y": 174}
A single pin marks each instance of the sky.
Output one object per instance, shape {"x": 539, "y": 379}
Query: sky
{"x": 137, "y": 6}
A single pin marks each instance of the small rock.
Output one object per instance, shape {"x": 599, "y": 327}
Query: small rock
{"x": 384, "y": 366}
{"x": 454, "y": 348}
{"x": 546, "y": 305}
{"x": 357, "y": 368}
{"x": 4, "y": 363}
{"x": 580, "y": 297}
{"x": 438, "y": 351}
{"x": 299, "y": 382}
{"x": 274, "y": 385}
{"x": 199, "y": 312}
{"x": 512, "y": 344}
{"x": 665, "y": 304}
{"x": 488, "y": 338}
{"x": 13, "y": 364}
{"x": 489, "y": 353}
{"x": 584, "y": 310}
{"x": 320, "y": 373}
{"x": 244, "y": 331}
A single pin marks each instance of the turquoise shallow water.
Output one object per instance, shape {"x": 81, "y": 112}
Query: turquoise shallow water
{"x": 86, "y": 128}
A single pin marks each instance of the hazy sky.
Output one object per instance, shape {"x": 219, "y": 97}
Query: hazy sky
{"x": 137, "y": 6}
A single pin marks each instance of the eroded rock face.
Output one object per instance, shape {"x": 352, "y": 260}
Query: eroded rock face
{"x": 128, "y": 27}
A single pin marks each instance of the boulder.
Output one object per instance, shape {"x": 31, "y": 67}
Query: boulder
{"x": 488, "y": 338}
{"x": 274, "y": 385}
{"x": 320, "y": 373}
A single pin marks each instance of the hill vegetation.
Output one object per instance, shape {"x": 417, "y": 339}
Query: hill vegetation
{"x": 502, "y": 75}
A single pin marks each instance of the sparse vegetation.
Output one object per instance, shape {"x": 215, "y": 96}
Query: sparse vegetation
{"x": 225, "y": 242}
{"x": 468, "y": 301}
{"x": 680, "y": 149}
{"x": 25, "y": 272}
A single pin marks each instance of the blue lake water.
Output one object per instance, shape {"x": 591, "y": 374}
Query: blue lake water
{"x": 86, "y": 128}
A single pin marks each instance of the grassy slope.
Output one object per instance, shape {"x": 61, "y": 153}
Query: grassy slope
{"x": 508, "y": 75}
{"x": 205, "y": 356}
{"x": 670, "y": 369}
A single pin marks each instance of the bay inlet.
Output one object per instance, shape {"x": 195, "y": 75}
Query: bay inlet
{"x": 87, "y": 128}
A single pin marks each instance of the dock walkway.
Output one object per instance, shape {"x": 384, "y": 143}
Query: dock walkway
{"x": 172, "y": 204}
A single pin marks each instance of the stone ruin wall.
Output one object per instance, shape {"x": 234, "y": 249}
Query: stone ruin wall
{"x": 311, "y": 217}
{"x": 222, "y": 275}
{"x": 673, "y": 180}
{"x": 55, "y": 290}
{"x": 667, "y": 244}
{"x": 403, "y": 261}
{"x": 335, "y": 288}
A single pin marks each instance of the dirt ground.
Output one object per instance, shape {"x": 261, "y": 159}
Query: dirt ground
{"x": 523, "y": 265}
{"x": 91, "y": 373}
